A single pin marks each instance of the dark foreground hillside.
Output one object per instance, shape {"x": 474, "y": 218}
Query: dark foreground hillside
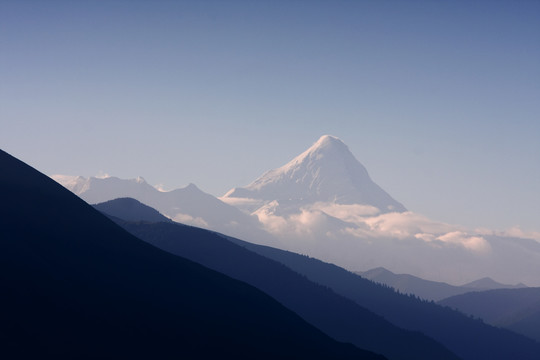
{"x": 75, "y": 285}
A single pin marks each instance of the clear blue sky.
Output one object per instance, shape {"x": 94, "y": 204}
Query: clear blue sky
{"x": 440, "y": 100}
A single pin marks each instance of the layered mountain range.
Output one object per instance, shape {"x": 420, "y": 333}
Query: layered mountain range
{"x": 78, "y": 285}
{"x": 323, "y": 203}
{"x": 514, "y": 309}
{"x": 431, "y": 290}
{"x": 342, "y": 304}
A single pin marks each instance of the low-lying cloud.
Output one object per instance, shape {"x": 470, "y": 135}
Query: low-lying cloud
{"x": 190, "y": 220}
{"x": 474, "y": 243}
{"x": 515, "y": 231}
{"x": 365, "y": 223}
{"x": 359, "y": 238}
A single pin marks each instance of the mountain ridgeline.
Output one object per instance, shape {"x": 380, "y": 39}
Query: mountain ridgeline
{"x": 323, "y": 203}
{"x": 467, "y": 337}
{"x": 76, "y": 285}
{"x": 188, "y": 205}
{"x": 429, "y": 290}
{"x": 514, "y": 309}
{"x": 336, "y": 315}
{"x": 464, "y": 336}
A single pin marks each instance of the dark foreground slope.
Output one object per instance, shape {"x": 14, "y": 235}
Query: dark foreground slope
{"x": 75, "y": 285}
{"x": 466, "y": 337}
{"x": 514, "y": 309}
{"x": 337, "y": 316}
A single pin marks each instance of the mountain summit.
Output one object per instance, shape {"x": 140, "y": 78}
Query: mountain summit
{"x": 326, "y": 172}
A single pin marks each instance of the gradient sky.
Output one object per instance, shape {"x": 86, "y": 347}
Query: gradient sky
{"x": 440, "y": 100}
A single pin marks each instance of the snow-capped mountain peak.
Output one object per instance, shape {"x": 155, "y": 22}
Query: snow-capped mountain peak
{"x": 327, "y": 141}
{"x": 325, "y": 172}
{"x": 327, "y": 146}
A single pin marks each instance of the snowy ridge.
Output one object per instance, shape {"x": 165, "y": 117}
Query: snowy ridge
{"x": 188, "y": 205}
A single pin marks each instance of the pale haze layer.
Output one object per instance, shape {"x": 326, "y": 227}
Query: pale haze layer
{"x": 438, "y": 100}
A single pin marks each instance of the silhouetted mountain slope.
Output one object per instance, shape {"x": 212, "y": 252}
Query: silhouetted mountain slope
{"x": 76, "y": 285}
{"x": 466, "y": 337}
{"x": 337, "y": 316}
{"x": 488, "y": 283}
{"x": 429, "y": 290}
{"x": 409, "y": 284}
{"x": 514, "y": 309}
{"x": 131, "y": 210}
